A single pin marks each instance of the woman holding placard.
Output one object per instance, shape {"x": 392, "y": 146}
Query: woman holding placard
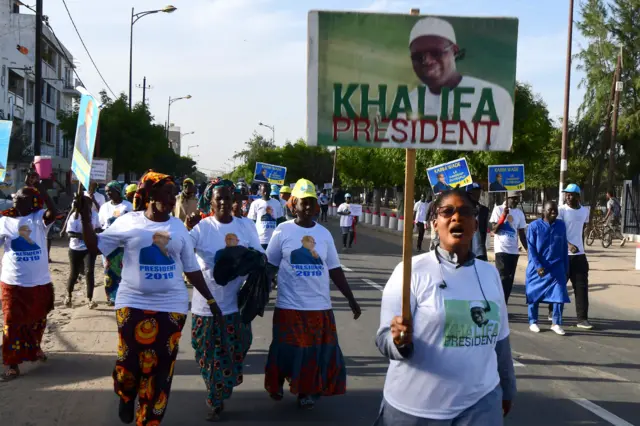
{"x": 452, "y": 360}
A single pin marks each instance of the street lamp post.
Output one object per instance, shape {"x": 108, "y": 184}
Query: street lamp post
{"x": 135, "y": 17}
{"x": 191, "y": 146}
{"x": 273, "y": 131}
{"x": 171, "y": 101}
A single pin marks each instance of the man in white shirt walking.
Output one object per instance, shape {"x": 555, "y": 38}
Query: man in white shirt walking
{"x": 346, "y": 222}
{"x": 323, "y": 200}
{"x": 420, "y": 209}
{"x": 508, "y": 223}
{"x": 97, "y": 199}
{"x": 265, "y": 212}
{"x": 575, "y": 216}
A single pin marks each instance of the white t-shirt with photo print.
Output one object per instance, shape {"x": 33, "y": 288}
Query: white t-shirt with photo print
{"x": 155, "y": 256}
{"x": 209, "y": 237}
{"x": 304, "y": 257}
{"x": 506, "y": 239}
{"x": 25, "y": 261}
{"x": 454, "y": 363}
{"x": 265, "y": 213}
{"x": 109, "y": 212}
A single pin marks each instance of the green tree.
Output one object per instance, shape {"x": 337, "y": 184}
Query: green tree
{"x": 130, "y": 139}
{"x": 609, "y": 27}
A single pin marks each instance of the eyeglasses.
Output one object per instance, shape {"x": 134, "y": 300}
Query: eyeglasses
{"x": 433, "y": 53}
{"x": 464, "y": 211}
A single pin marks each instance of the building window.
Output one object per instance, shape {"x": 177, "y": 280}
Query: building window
{"x": 16, "y": 84}
{"x": 31, "y": 91}
{"x": 48, "y": 132}
{"x": 49, "y": 55}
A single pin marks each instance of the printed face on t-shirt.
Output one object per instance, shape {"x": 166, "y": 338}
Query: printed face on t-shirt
{"x": 231, "y": 240}
{"x": 155, "y": 261}
{"x": 470, "y": 323}
{"x": 305, "y": 261}
{"x": 25, "y": 249}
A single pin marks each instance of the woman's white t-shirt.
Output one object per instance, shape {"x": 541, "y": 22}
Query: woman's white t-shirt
{"x": 303, "y": 275}
{"x": 109, "y": 212}
{"x": 209, "y": 237}
{"x": 75, "y": 225}
{"x": 151, "y": 268}
{"x": 25, "y": 262}
{"x": 454, "y": 363}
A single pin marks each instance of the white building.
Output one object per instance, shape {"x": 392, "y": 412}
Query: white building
{"x": 175, "y": 138}
{"x": 17, "y": 83}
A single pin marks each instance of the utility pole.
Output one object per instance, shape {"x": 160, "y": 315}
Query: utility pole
{"x": 565, "y": 120}
{"x": 335, "y": 160}
{"x": 144, "y": 88}
{"x": 38, "y": 95}
{"x": 614, "y": 127}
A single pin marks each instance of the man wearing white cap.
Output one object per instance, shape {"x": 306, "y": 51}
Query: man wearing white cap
{"x": 346, "y": 222}
{"x": 434, "y": 52}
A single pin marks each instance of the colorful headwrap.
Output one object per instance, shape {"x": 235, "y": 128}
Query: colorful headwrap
{"x": 204, "y": 203}
{"x": 147, "y": 182}
{"x": 114, "y": 184}
{"x": 38, "y": 203}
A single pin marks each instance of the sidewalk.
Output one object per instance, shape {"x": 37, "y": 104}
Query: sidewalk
{"x": 613, "y": 280}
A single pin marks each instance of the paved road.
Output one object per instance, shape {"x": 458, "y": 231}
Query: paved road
{"x": 557, "y": 376}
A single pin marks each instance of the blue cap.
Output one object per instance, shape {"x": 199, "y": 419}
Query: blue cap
{"x": 473, "y": 186}
{"x": 572, "y": 187}
{"x": 275, "y": 190}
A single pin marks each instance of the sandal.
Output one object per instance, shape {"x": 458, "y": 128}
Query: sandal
{"x": 306, "y": 402}
{"x": 92, "y": 304}
{"x": 214, "y": 414}
{"x": 42, "y": 357}
{"x": 10, "y": 373}
{"x": 277, "y": 396}
{"x": 67, "y": 301}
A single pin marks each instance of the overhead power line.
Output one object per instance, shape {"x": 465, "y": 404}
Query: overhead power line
{"x": 86, "y": 49}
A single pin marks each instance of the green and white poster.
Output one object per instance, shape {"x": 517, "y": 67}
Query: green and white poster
{"x": 470, "y": 323}
{"x": 403, "y": 81}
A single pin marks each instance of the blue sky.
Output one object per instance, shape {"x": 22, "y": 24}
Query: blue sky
{"x": 244, "y": 61}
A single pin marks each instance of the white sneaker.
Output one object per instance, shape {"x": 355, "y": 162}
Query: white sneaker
{"x": 550, "y": 317}
{"x": 534, "y": 328}
{"x": 67, "y": 301}
{"x": 557, "y": 329}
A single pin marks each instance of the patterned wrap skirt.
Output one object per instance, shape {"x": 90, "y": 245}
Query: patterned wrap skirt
{"x": 147, "y": 351}
{"x": 305, "y": 352}
{"x": 25, "y": 311}
{"x": 221, "y": 347}
{"x": 113, "y": 273}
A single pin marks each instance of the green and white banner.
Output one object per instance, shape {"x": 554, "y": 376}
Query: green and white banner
{"x": 402, "y": 81}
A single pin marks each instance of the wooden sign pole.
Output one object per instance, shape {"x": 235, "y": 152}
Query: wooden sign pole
{"x": 407, "y": 241}
{"x": 407, "y": 232}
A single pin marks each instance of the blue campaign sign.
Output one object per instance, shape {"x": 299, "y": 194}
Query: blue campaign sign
{"x": 449, "y": 175}
{"x": 86, "y": 131}
{"x": 506, "y": 177}
{"x": 270, "y": 173}
{"x": 5, "y": 137}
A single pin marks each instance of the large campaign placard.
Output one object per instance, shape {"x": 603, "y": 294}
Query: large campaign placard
{"x": 5, "y": 138}
{"x": 270, "y": 173}
{"x": 446, "y": 176}
{"x": 506, "y": 177}
{"x": 85, "y": 141}
{"x": 402, "y": 81}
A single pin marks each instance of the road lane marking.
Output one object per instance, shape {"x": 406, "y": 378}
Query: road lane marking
{"x": 344, "y": 268}
{"x": 372, "y": 284}
{"x": 601, "y": 412}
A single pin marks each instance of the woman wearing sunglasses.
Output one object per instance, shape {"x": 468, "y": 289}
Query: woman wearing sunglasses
{"x": 451, "y": 363}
